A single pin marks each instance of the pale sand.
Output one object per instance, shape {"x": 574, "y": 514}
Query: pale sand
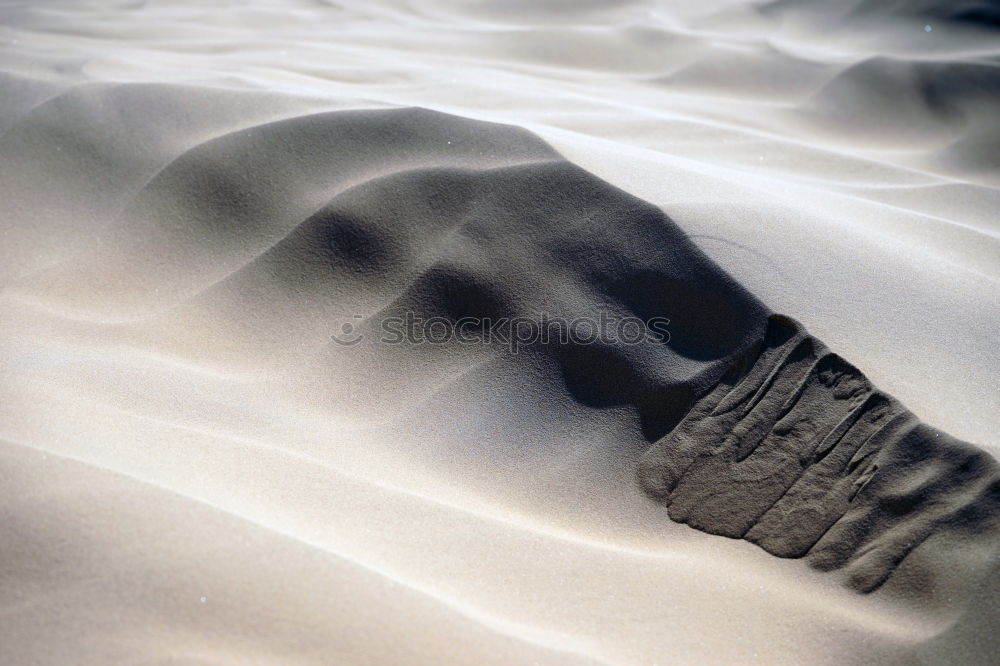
{"x": 195, "y": 200}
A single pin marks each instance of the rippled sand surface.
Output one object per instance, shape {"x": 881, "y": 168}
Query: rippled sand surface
{"x": 200, "y": 204}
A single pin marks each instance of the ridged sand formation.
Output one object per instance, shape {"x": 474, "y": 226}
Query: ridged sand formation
{"x": 796, "y": 451}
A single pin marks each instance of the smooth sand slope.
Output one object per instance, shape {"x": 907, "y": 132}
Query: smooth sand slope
{"x": 211, "y": 452}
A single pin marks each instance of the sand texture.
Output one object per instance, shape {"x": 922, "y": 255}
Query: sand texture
{"x": 316, "y": 332}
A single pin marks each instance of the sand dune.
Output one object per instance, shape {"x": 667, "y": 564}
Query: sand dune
{"x": 220, "y": 444}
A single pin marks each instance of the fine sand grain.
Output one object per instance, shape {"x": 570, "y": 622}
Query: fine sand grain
{"x": 222, "y": 441}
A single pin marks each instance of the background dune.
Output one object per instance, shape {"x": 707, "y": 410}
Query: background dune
{"x": 197, "y": 198}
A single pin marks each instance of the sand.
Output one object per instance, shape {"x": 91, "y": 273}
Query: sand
{"x": 220, "y": 443}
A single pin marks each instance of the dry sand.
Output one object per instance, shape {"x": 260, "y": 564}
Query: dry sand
{"x": 202, "y": 204}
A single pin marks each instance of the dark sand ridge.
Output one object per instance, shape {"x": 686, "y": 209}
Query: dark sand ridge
{"x": 240, "y": 193}
{"x": 797, "y": 451}
{"x": 756, "y": 430}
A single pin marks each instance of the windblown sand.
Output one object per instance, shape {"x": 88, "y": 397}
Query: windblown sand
{"x": 200, "y": 204}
